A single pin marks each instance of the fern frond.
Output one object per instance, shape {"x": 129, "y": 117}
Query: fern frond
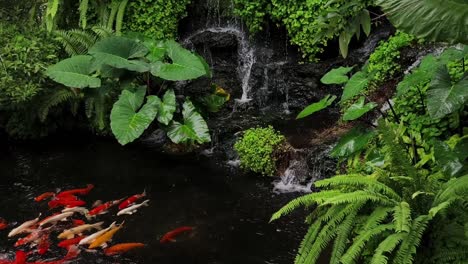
{"x": 55, "y": 98}
{"x": 305, "y": 200}
{"x": 357, "y": 180}
{"x": 308, "y": 240}
{"x": 354, "y": 251}
{"x": 454, "y": 188}
{"x": 114, "y": 6}
{"x": 341, "y": 241}
{"x": 360, "y": 196}
{"x": 376, "y": 217}
{"x": 387, "y": 246}
{"x": 103, "y": 31}
{"x": 411, "y": 241}
{"x": 83, "y": 8}
{"x": 76, "y": 41}
{"x": 452, "y": 255}
{"x": 51, "y": 13}
{"x": 120, "y": 16}
{"x": 402, "y": 217}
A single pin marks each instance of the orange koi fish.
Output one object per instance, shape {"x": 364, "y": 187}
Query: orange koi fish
{"x": 101, "y": 240}
{"x": 122, "y": 248}
{"x": 44, "y": 196}
{"x": 102, "y": 209}
{"x": 70, "y": 242}
{"x": 82, "y": 191}
{"x": 3, "y": 224}
{"x": 66, "y": 201}
{"x": 20, "y": 257}
{"x": 170, "y": 236}
{"x": 132, "y": 199}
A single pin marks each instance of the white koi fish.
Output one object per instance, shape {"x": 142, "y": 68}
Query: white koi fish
{"x": 80, "y": 210}
{"x": 132, "y": 209}
{"x": 89, "y": 239}
{"x": 70, "y": 233}
{"x": 56, "y": 218}
{"x": 23, "y": 227}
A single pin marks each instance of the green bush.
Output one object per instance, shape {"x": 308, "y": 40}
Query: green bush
{"x": 256, "y": 149}
{"x": 157, "y": 19}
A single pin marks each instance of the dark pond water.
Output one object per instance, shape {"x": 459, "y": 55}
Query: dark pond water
{"x": 230, "y": 212}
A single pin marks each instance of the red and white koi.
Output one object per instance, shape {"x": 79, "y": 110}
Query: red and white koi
{"x": 55, "y": 218}
{"x": 90, "y": 239}
{"x": 70, "y": 233}
{"x": 171, "y": 235}
{"x": 28, "y": 239}
{"x": 133, "y": 209}
{"x": 131, "y": 200}
{"x": 44, "y": 244}
{"x": 102, "y": 209}
{"x": 82, "y": 191}
{"x": 23, "y": 227}
{"x": 73, "y": 252}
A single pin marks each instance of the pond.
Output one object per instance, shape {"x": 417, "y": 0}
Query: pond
{"x": 230, "y": 212}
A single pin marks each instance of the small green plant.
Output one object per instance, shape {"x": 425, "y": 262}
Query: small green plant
{"x": 157, "y": 19}
{"x": 256, "y": 149}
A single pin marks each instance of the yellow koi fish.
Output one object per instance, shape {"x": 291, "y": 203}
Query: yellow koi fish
{"x": 99, "y": 241}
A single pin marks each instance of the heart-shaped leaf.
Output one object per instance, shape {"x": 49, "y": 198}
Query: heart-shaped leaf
{"x": 185, "y": 65}
{"x": 447, "y": 159}
{"x": 336, "y": 76}
{"x": 355, "y": 85}
{"x": 444, "y": 98}
{"x": 157, "y": 50}
{"x": 166, "y": 107}
{"x": 355, "y": 140}
{"x": 315, "y": 107}
{"x": 118, "y": 52}
{"x": 193, "y": 129}
{"x": 74, "y": 72}
{"x": 358, "y": 109}
{"x": 128, "y": 119}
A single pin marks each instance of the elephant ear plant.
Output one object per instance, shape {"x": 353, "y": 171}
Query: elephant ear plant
{"x": 119, "y": 64}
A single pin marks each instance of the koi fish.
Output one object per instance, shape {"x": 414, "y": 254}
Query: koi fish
{"x": 66, "y": 201}
{"x": 23, "y": 227}
{"x": 28, "y": 239}
{"x": 70, "y": 242}
{"x": 44, "y": 196}
{"x": 82, "y": 191}
{"x": 131, "y": 200}
{"x": 70, "y": 233}
{"x": 90, "y": 239}
{"x": 20, "y": 257}
{"x": 170, "y": 236}
{"x": 78, "y": 222}
{"x": 3, "y": 224}
{"x": 73, "y": 252}
{"x": 122, "y": 248}
{"x": 44, "y": 244}
{"x": 101, "y": 240}
{"x": 55, "y": 218}
{"x": 132, "y": 209}
{"x": 80, "y": 210}
{"x": 102, "y": 209}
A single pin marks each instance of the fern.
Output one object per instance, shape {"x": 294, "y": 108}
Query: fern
{"x": 376, "y": 217}
{"x": 120, "y": 16}
{"x": 114, "y": 6}
{"x": 358, "y": 244}
{"x": 103, "y": 31}
{"x": 386, "y": 246}
{"x": 76, "y": 41}
{"x": 53, "y": 99}
{"x": 51, "y": 13}
{"x": 83, "y": 8}
{"x": 360, "y": 196}
{"x": 402, "y": 217}
{"x": 341, "y": 241}
{"x": 411, "y": 241}
{"x": 454, "y": 188}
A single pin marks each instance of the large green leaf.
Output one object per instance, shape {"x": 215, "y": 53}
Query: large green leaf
{"x": 185, "y": 65}
{"x": 358, "y": 109}
{"x": 157, "y": 50}
{"x": 336, "y": 76}
{"x": 355, "y": 85}
{"x": 193, "y": 129}
{"x": 74, "y": 72}
{"x": 447, "y": 159}
{"x": 322, "y": 104}
{"x": 355, "y": 140}
{"x": 166, "y": 107}
{"x": 118, "y": 52}
{"x": 128, "y": 120}
{"x": 433, "y": 20}
{"x": 444, "y": 98}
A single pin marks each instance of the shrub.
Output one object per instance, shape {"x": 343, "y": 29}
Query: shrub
{"x": 257, "y": 148}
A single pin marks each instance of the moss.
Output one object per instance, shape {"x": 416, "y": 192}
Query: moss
{"x": 256, "y": 149}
